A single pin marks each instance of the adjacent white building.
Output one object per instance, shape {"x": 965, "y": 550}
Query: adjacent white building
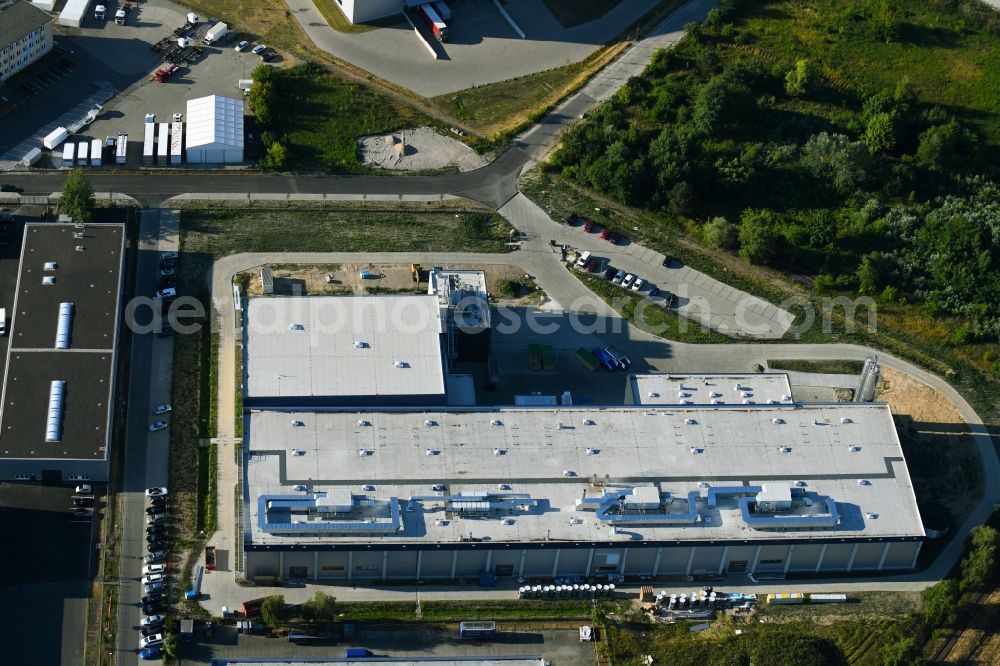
{"x": 25, "y": 36}
{"x": 359, "y": 11}
{"x": 215, "y": 130}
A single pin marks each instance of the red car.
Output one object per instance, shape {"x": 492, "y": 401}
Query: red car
{"x": 605, "y": 233}
{"x": 588, "y": 225}
{"x": 592, "y": 264}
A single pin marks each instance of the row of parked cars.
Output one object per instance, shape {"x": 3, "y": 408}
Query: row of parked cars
{"x": 83, "y": 502}
{"x": 166, "y": 287}
{"x": 153, "y": 571}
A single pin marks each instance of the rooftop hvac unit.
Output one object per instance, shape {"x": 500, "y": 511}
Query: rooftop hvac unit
{"x": 430, "y": 422}
{"x": 53, "y": 423}
{"x": 844, "y": 419}
{"x": 496, "y": 422}
{"x": 64, "y": 326}
{"x": 362, "y": 422}
{"x": 690, "y": 422}
{"x": 50, "y": 265}
{"x": 777, "y": 420}
{"x": 48, "y": 279}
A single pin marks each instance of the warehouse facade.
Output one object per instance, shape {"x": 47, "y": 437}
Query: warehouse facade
{"x": 61, "y": 354}
{"x": 614, "y": 493}
{"x": 25, "y": 36}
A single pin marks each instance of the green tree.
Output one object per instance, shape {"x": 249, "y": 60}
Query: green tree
{"x": 77, "y": 197}
{"x": 868, "y": 276}
{"x": 321, "y": 608}
{"x": 718, "y": 232}
{"x": 680, "y": 199}
{"x": 836, "y": 159}
{"x": 941, "y": 603}
{"x": 946, "y": 147}
{"x": 901, "y": 652}
{"x": 263, "y": 73}
{"x": 275, "y": 156}
{"x": 801, "y": 79}
{"x": 718, "y": 104}
{"x": 979, "y": 565}
{"x": 261, "y": 101}
{"x": 821, "y": 225}
{"x": 757, "y": 236}
{"x": 880, "y": 133}
{"x": 170, "y": 644}
{"x": 273, "y": 610}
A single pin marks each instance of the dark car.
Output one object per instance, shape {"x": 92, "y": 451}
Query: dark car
{"x": 168, "y": 263}
{"x": 267, "y": 56}
{"x": 615, "y": 238}
{"x": 165, "y": 282}
{"x": 151, "y": 599}
{"x": 610, "y": 273}
{"x": 83, "y": 501}
{"x": 592, "y": 264}
{"x": 571, "y": 220}
{"x": 151, "y": 629}
{"x": 7, "y": 187}
{"x": 156, "y": 529}
{"x": 588, "y": 225}
{"x": 157, "y": 501}
{"x": 670, "y": 298}
{"x": 152, "y": 608}
{"x": 155, "y": 540}
{"x": 150, "y": 510}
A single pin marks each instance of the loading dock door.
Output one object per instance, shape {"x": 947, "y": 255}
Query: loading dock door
{"x": 51, "y": 476}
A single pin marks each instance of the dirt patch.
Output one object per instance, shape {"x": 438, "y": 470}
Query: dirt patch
{"x": 940, "y": 453}
{"x": 344, "y": 279}
{"x": 417, "y": 149}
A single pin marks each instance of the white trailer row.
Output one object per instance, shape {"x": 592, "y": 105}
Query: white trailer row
{"x": 84, "y": 153}
{"x": 163, "y": 143}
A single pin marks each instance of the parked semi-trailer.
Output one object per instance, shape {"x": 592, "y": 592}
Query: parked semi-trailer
{"x": 121, "y": 148}
{"x": 433, "y": 22}
{"x": 217, "y": 32}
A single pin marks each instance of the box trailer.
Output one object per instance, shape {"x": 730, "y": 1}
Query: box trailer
{"x": 215, "y": 33}
{"x": 95, "y": 152}
{"x": 434, "y": 22}
{"x": 786, "y": 598}
{"x": 148, "y": 146}
{"x": 83, "y": 153}
{"x": 121, "y": 148}
{"x": 31, "y": 157}
{"x": 163, "y": 143}
{"x": 176, "y": 142}
{"x": 69, "y": 154}
{"x": 55, "y": 137}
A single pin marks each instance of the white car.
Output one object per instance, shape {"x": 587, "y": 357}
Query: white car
{"x": 151, "y": 619}
{"x": 637, "y": 285}
{"x": 628, "y": 280}
{"x": 153, "y": 578}
{"x": 151, "y": 569}
{"x": 257, "y": 50}
{"x": 159, "y": 425}
{"x": 242, "y": 46}
{"x": 156, "y": 492}
{"x": 84, "y": 489}
{"x": 169, "y": 292}
{"x": 148, "y": 641}
{"x": 161, "y": 409}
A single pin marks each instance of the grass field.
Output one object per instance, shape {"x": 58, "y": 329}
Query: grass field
{"x": 578, "y": 12}
{"x": 454, "y": 611}
{"x": 833, "y": 367}
{"x": 336, "y": 19}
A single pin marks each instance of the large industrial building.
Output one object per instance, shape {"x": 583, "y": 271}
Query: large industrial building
{"x": 25, "y": 36}
{"x": 309, "y": 352}
{"x": 535, "y": 493}
{"x": 361, "y": 11}
{"x": 60, "y": 355}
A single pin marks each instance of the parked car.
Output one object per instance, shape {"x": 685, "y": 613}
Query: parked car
{"x": 168, "y": 255}
{"x": 592, "y": 264}
{"x": 155, "y": 639}
{"x": 637, "y": 285}
{"x": 156, "y": 518}
{"x": 155, "y": 541}
{"x": 151, "y": 569}
{"x": 653, "y": 290}
{"x": 618, "y": 277}
{"x": 242, "y": 46}
{"x": 621, "y": 359}
{"x": 166, "y": 272}
{"x": 158, "y": 425}
{"x": 153, "y": 587}
{"x": 627, "y": 281}
{"x": 615, "y": 238}
{"x": 151, "y": 652}
{"x": 267, "y": 56}
{"x": 155, "y": 556}
{"x": 83, "y": 513}
{"x": 151, "y": 599}
{"x": 151, "y": 629}
{"x": 156, "y": 529}
{"x": 151, "y": 578}
{"x": 84, "y": 489}
{"x": 605, "y": 233}
{"x": 83, "y": 501}
{"x": 572, "y": 219}
{"x": 168, "y": 263}
{"x": 158, "y": 501}
{"x": 164, "y": 282}
{"x": 257, "y": 50}
{"x": 588, "y": 225}
{"x": 152, "y": 609}
{"x": 152, "y": 619}
{"x": 156, "y": 492}
{"x": 169, "y": 292}
{"x": 7, "y": 187}
{"x": 610, "y": 273}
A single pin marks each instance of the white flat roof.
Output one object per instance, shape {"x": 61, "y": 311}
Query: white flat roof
{"x": 344, "y": 346}
{"x": 214, "y": 121}
{"x": 712, "y": 388}
{"x": 847, "y": 452}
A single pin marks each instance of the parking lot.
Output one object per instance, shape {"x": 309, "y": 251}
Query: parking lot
{"x": 119, "y": 59}
{"x": 44, "y": 580}
{"x": 482, "y": 46}
{"x": 561, "y": 647}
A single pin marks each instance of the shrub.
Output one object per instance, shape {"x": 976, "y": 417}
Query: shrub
{"x": 801, "y": 79}
{"x": 757, "y": 236}
{"x": 941, "y": 603}
{"x": 880, "y": 133}
{"x": 508, "y": 288}
{"x": 718, "y": 232}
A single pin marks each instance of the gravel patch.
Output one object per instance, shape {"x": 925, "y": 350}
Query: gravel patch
{"x": 417, "y": 149}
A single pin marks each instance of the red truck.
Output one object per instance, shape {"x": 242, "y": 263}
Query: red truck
{"x": 434, "y": 22}
{"x": 165, "y": 73}
{"x": 210, "y": 558}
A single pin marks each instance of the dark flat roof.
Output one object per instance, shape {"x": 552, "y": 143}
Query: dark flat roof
{"x": 18, "y": 19}
{"x": 26, "y": 402}
{"x": 90, "y": 279}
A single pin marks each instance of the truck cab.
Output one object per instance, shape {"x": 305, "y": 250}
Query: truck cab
{"x": 100, "y": 11}
{"x": 120, "y": 17}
